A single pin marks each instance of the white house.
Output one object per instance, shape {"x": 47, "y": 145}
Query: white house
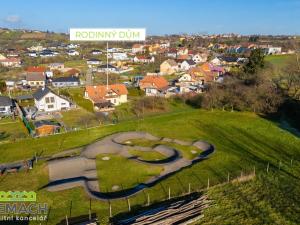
{"x": 6, "y": 106}
{"x": 47, "y": 101}
{"x": 120, "y": 56}
{"x": 187, "y": 64}
{"x": 216, "y": 61}
{"x": 109, "y": 68}
{"x": 185, "y": 78}
{"x": 137, "y": 48}
{"x": 143, "y": 59}
{"x": 200, "y": 58}
{"x": 93, "y": 62}
{"x": 72, "y": 52}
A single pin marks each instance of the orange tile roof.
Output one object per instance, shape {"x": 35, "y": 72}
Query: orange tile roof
{"x": 99, "y": 93}
{"x": 39, "y": 69}
{"x": 153, "y": 81}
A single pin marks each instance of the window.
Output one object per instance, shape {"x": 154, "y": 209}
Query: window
{"x": 50, "y": 106}
{"x": 47, "y": 100}
{"x": 2, "y": 109}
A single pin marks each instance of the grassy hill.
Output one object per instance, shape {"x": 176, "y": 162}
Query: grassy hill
{"x": 242, "y": 141}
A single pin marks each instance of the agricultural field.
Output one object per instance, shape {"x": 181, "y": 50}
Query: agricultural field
{"x": 242, "y": 141}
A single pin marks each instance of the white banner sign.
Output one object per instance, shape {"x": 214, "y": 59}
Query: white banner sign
{"x": 107, "y": 34}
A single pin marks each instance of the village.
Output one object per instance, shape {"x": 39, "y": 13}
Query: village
{"x": 45, "y": 85}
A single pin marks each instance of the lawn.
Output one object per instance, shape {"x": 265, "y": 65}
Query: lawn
{"x": 188, "y": 152}
{"x": 148, "y": 156}
{"x": 11, "y": 129}
{"x": 242, "y": 141}
{"x": 269, "y": 199}
{"x": 278, "y": 61}
{"x": 79, "y": 118}
{"x": 111, "y": 175}
{"x": 77, "y": 96}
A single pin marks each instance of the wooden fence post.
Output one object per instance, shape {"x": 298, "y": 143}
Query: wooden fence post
{"x": 148, "y": 199}
{"x": 268, "y": 167}
{"x": 189, "y": 188}
{"x": 110, "y": 210}
{"x": 128, "y": 202}
{"x": 67, "y": 221}
{"x": 207, "y": 183}
{"x": 169, "y": 193}
{"x": 228, "y": 177}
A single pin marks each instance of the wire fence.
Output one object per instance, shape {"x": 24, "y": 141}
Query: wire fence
{"x": 172, "y": 192}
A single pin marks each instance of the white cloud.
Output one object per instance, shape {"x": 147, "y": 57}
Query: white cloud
{"x": 13, "y": 19}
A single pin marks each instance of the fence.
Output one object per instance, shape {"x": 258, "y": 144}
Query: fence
{"x": 131, "y": 205}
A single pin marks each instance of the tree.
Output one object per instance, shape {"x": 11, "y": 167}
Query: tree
{"x": 255, "y": 64}
{"x": 2, "y": 86}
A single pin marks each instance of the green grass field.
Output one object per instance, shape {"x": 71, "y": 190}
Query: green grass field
{"x": 109, "y": 170}
{"x": 279, "y": 61}
{"x": 242, "y": 141}
{"x": 188, "y": 152}
{"x": 268, "y": 199}
{"x": 77, "y": 96}
{"x": 11, "y": 130}
{"x": 79, "y": 118}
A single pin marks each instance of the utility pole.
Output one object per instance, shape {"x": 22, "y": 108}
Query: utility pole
{"x": 106, "y": 65}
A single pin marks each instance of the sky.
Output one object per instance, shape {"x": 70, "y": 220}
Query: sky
{"x": 159, "y": 17}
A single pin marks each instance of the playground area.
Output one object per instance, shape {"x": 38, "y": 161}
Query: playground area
{"x": 167, "y": 159}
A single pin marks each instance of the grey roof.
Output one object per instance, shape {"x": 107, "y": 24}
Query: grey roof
{"x": 190, "y": 62}
{"x": 40, "y": 93}
{"x": 5, "y": 101}
{"x": 41, "y": 123}
{"x": 66, "y": 79}
{"x": 104, "y": 66}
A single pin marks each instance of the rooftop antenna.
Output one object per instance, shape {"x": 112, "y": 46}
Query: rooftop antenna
{"x": 106, "y": 65}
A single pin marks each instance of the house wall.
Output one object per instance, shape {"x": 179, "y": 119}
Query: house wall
{"x": 36, "y": 83}
{"x": 5, "y": 111}
{"x": 65, "y": 84}
{"x": 58, "y": 104}
{"x": 45, "y": 130}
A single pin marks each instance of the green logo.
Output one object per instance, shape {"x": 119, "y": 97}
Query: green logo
{"x": 17, "y": 196}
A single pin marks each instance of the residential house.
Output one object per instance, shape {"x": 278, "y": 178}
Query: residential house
{"x": 172, "y": 53}
{"x": 138, "y": 48}
{"x": 96, "y": 52}
{"x": 168, "y": 67}
{"x": 71, "y": 81}
{"x": 119, "y": 56}
{"x": 107, "y": 67}
{"x": 216, "y": 61}
{"x": 93, "y": 62}
{"x": 33, "y": 54}
{"x": 187, "y": 64}
{"x": 105, "y": 97}
{"x": 153, "y": 85}
{"x": 48, "y": 53}
{"x": 183, "y": 51}
{"x": 143, "y": 59}
{"x": 35, "y": 79}
{"x": 200, "y": 58}
{"x": 6, "y": 106}
{"x": 72, "y": 52}
{"x": 40, "y": 69}
{"x": 46, "y": 100}
{"x": 56, "y": 66}
{"x": 11, "y": 62}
